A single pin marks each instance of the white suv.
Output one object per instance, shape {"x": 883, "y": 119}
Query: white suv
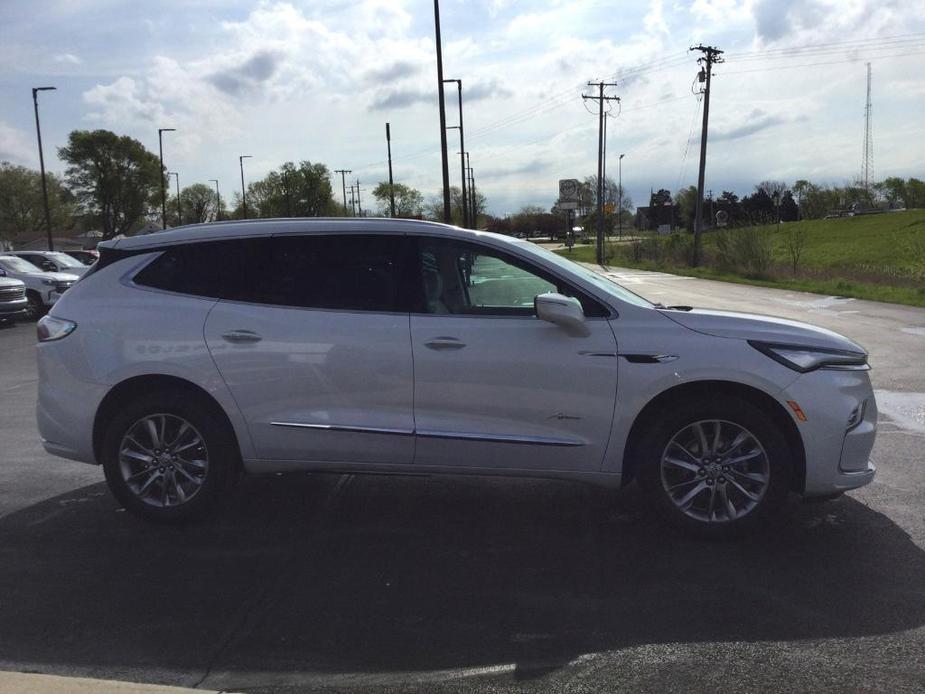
{"x": 386, "y": 346}
{"x": 43, "y": 288}
{"x": 53, "y": 261}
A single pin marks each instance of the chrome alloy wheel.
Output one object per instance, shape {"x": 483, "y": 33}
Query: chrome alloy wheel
{"x": 715, "y": 471}
{"x": 163, "y": 460}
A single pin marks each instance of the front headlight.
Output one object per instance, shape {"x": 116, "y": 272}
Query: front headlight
{"x": 805, "y": 359}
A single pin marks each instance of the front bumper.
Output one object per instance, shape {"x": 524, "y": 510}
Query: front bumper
{"x": 10, "y": 309}
{"x": 837, "y": 445}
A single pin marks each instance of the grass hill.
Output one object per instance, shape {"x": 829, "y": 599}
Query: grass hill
{"x": 879, "y": 257}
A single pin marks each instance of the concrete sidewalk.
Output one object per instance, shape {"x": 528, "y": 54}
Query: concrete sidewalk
{"x": 30, "y": 683}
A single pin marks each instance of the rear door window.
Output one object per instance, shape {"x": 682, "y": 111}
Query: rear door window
{"x": 343, "y": 272}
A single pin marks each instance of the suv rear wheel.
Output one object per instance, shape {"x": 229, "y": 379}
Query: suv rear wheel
{"x": 168, "y": 456}
{"x": 719, "y": 469}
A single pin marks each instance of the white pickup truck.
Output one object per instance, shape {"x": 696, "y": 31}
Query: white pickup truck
{"x": 12, "y": 299}
{"x": 43, "y": 289}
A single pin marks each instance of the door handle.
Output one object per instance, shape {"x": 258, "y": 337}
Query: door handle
{"x": 440, "y": 343}
{"x": 241, "y": 336}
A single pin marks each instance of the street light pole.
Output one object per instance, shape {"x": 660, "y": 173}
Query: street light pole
{"x": 218, "y": 201}
{"x": 160, "y": 148}
{"x": 38, "y": 132}
{"x": 179, "y": 209}
{"x": 243, "y": 191}
{"x": 462, "y": 160}
{"x": 620, "y": 187}
{"x": 388, "y": 142}
{"x": 447, "y": 218}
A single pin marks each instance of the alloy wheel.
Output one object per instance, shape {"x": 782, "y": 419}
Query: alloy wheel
{"x": 715, "y": 471}
{"x": 163, "y": 460}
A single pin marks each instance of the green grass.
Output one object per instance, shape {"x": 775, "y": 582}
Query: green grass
{"x": 877, "y": 257}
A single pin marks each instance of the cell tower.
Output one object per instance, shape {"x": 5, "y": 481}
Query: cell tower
{"x": 867, "y": 171}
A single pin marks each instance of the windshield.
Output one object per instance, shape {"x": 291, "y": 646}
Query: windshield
{"x": 615, "y": 290}
{"x": 12, "y": 264}
{"x": 64, "y": 260}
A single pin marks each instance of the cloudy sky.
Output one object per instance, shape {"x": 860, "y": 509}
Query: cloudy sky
{"x": 318, "y": 79}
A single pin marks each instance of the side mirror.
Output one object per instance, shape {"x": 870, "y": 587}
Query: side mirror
{"x": 564, "y": 311}
{"x": 2, "y": 272}
{"x": 49, "y": 266}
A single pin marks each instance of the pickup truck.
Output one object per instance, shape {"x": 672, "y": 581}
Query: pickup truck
{"x": 13, "y": 301}
{"x": 43, "y": 289}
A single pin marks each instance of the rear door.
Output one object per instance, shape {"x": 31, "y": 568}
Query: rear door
{"x": 495, "y": 387}
{"x": 314, "y": 345}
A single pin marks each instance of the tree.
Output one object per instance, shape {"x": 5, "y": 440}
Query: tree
{"x": 686, "y": 200}
{"x": 293, "y": 191}
{"x": 915, "y": 193}
{"x": 789, "y": 212}
{"x": 796, "y": 242}
{"x": 21, "y": 206}
{"x": 114, "y": 178}
{"x": 409, "y": 202}
{"x": 893, "y": 189}
{"x": 434, "y": 208}
{"x": 198, "y": 204}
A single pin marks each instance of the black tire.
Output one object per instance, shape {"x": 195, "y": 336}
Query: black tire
{"x": 206, "y": 421}
{"x": 36, "y": 308}
{"x": 716, "y": 523}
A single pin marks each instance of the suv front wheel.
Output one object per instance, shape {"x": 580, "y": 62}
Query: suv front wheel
{"x": 718, "y": 469}
{"x": 168, "y": 456}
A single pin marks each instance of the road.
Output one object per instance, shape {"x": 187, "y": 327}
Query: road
{"x": 374, "y": 584}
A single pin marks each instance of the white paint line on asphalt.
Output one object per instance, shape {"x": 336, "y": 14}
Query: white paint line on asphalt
{"x": 906, "y": 410}
{"x": 914, "y": 331}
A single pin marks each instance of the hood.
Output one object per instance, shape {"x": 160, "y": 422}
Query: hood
{"x": 10, "y": 283}
{"x": 56, "y": 276}
{"x": 749, "y": 326}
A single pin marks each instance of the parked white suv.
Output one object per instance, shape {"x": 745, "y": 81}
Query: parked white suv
{"x": 387, "y": 346}
{"x": 53, "y": 261}
{"x": 43, "y": 289}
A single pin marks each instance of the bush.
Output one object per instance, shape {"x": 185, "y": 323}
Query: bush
{"x": 749, "y": 249}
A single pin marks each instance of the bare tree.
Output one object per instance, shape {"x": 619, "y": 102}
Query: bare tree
{"x": 796, "y": 243}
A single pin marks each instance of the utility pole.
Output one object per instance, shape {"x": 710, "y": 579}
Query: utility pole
{"x": 447, "y": 217}
{"x": 462, "y": 161}
{"x": 388, "y": 142}
{"x": 353, "y": 202}
{"x": 160, "y": 147}
{"x": 243, "y": 191}
{"x": 179, "y": 210}
{"x": 38, "y": 132}
{"x": 288, "y": 193}
{"x": 709, "y": 57}
{"x": 600, "y": 98}
{"x": 868, "y": 140}
{"x": 218, "y": 200}
{"x": 474, "y": 213}
{"x": 620, "y": 187}
{"x": 343, "y": 185}
{"x": 359, "y": 203}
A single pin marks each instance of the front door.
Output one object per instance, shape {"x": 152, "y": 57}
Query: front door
{"x": 495, "y": 387}
{"x": 315, "y": 348}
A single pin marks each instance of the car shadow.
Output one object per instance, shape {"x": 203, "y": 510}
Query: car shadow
{"x": 357, "y": 574}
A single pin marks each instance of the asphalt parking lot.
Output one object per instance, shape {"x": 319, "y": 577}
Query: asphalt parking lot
{"x": 375, "y": 584}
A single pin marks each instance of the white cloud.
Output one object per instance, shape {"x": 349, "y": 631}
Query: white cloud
{"x": 67, "y": 59}
{"x": 16, "y": 146}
